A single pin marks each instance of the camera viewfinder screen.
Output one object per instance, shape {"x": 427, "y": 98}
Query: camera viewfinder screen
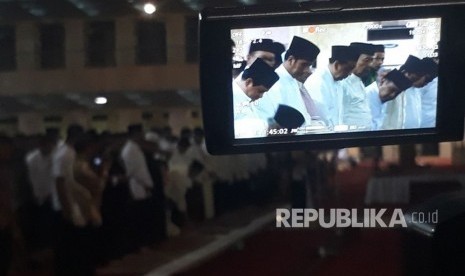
{"x": 335, "y": 78}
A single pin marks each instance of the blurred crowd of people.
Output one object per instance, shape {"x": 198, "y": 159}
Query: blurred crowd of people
{"x": 95, "y": 197}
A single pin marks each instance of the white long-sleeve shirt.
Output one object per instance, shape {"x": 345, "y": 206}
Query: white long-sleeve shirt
{"x": 412, "y": 108}
{"x": 63, "y": 167}
{"x": 285, "y": 91}
{"x": 356, "y": 110}
{"x": 377, "y": 108}
{"x": 247, "y": 120}
{"x": 327, "y": 95}
{"x": 429, "y": 97}
{"x": 40, "y": 175}
{"x": 404, "y": 112}
{"x": 140, "y": 180}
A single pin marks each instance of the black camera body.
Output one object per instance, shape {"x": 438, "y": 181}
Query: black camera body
{"x": 425, "y": 31}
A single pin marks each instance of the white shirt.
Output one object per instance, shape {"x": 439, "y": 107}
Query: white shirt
{"x": 140, "y": 181}
{"x": 63, "y": 166}
{"x": 40, "y": 175}
{"x": 429, "y": 97}
{"x": 179, "y": 180}
{"x": 394, "y": 113}
{"x": 285, "y": 91}
{"x": 327, "y": 95}
{"x": 404, "y": 111}
{"x": 64, "y": 161}
{"x": 247, "y": 121}
{"x": 377, "y": 108}
{"x": 180, "y": 162}
{"x": 412, "y": 108}
{"x": 356, "y": 110}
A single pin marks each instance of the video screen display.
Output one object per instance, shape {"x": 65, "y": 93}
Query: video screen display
{"x": 335, "y": 78}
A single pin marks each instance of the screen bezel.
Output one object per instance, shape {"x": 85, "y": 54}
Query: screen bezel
{"x": 215, "y": 53}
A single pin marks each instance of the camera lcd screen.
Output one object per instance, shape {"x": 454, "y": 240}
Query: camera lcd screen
{"x": 300, "y": 77}
{"x": 328, "y": 91}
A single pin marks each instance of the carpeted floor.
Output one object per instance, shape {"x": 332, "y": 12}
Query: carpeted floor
{"x": 274, "y": 252}
{"x": 297, "y": 252}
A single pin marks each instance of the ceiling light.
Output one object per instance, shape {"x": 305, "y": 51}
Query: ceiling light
{"x": 149, "y": 8}
{"x": 100, "y": 100}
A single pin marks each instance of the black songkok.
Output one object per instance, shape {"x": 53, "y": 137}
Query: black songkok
{"x": 364, "y": 48}
{"x": 344, "y": 53}
{"x": 431, "y": 67}
{"x": 399, "y": 79}
{"x": 413, "y": 65}
{"x": 261, "y": 74}
{"x": 288, "y": 117}
{"x": 301, "y": 48}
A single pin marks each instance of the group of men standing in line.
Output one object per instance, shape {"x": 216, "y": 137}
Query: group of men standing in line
{"x": 351, "y": 93}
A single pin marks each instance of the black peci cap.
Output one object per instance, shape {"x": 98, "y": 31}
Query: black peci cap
{"x": 279, "y": 49}
{"x": 344, "y": 53}
{"x": 261, "y": 74}
{"x": 265, "y": 44}
{"x": 430, "y": 67}
{"x": 364, "y": 48}
{"x": 288, "y": 117}
{"x": 413, "y": 65}
{"x": 378, "y": 48}
{"x": 301, "y": 48}
{"x": 399, "y": 79}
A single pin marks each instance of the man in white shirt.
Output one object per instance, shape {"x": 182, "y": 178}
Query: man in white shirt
{"x": 324, "y": 84}
{"x": 356, "y": 110}
{"x": 39, "y": 168}
{"x": 73, "y": 252}
{"x": 429, "y": 95}
{"x": 289, "y": 90}
{"x": 404, "y": 112}
{"x": 140, "y": 186}
{"x": 197, "y": 149}
{"x": 247, "y": 89}
{"x": 390, "y": 86}
{"x": 137, "y": 172}
{"x": 63, "y": 196}
{"x": 268, "y": 50}
{"x": 39, "y": 165}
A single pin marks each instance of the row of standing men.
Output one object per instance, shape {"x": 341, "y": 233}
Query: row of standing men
{"x": 98, "y": 196}
{"x": 353, "y": 92}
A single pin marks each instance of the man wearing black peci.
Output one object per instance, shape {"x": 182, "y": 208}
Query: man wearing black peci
{"x": 247, "y": 89}
{"x": 378, "y": 60}
{"x": 266, "y": 49}
{"x": 404, "y": 111}
{"x": 324, "y": 84}
{"x": 390, "y": 86}
{"x": 289, "y": 90}
{"x": 356, "y": 108}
